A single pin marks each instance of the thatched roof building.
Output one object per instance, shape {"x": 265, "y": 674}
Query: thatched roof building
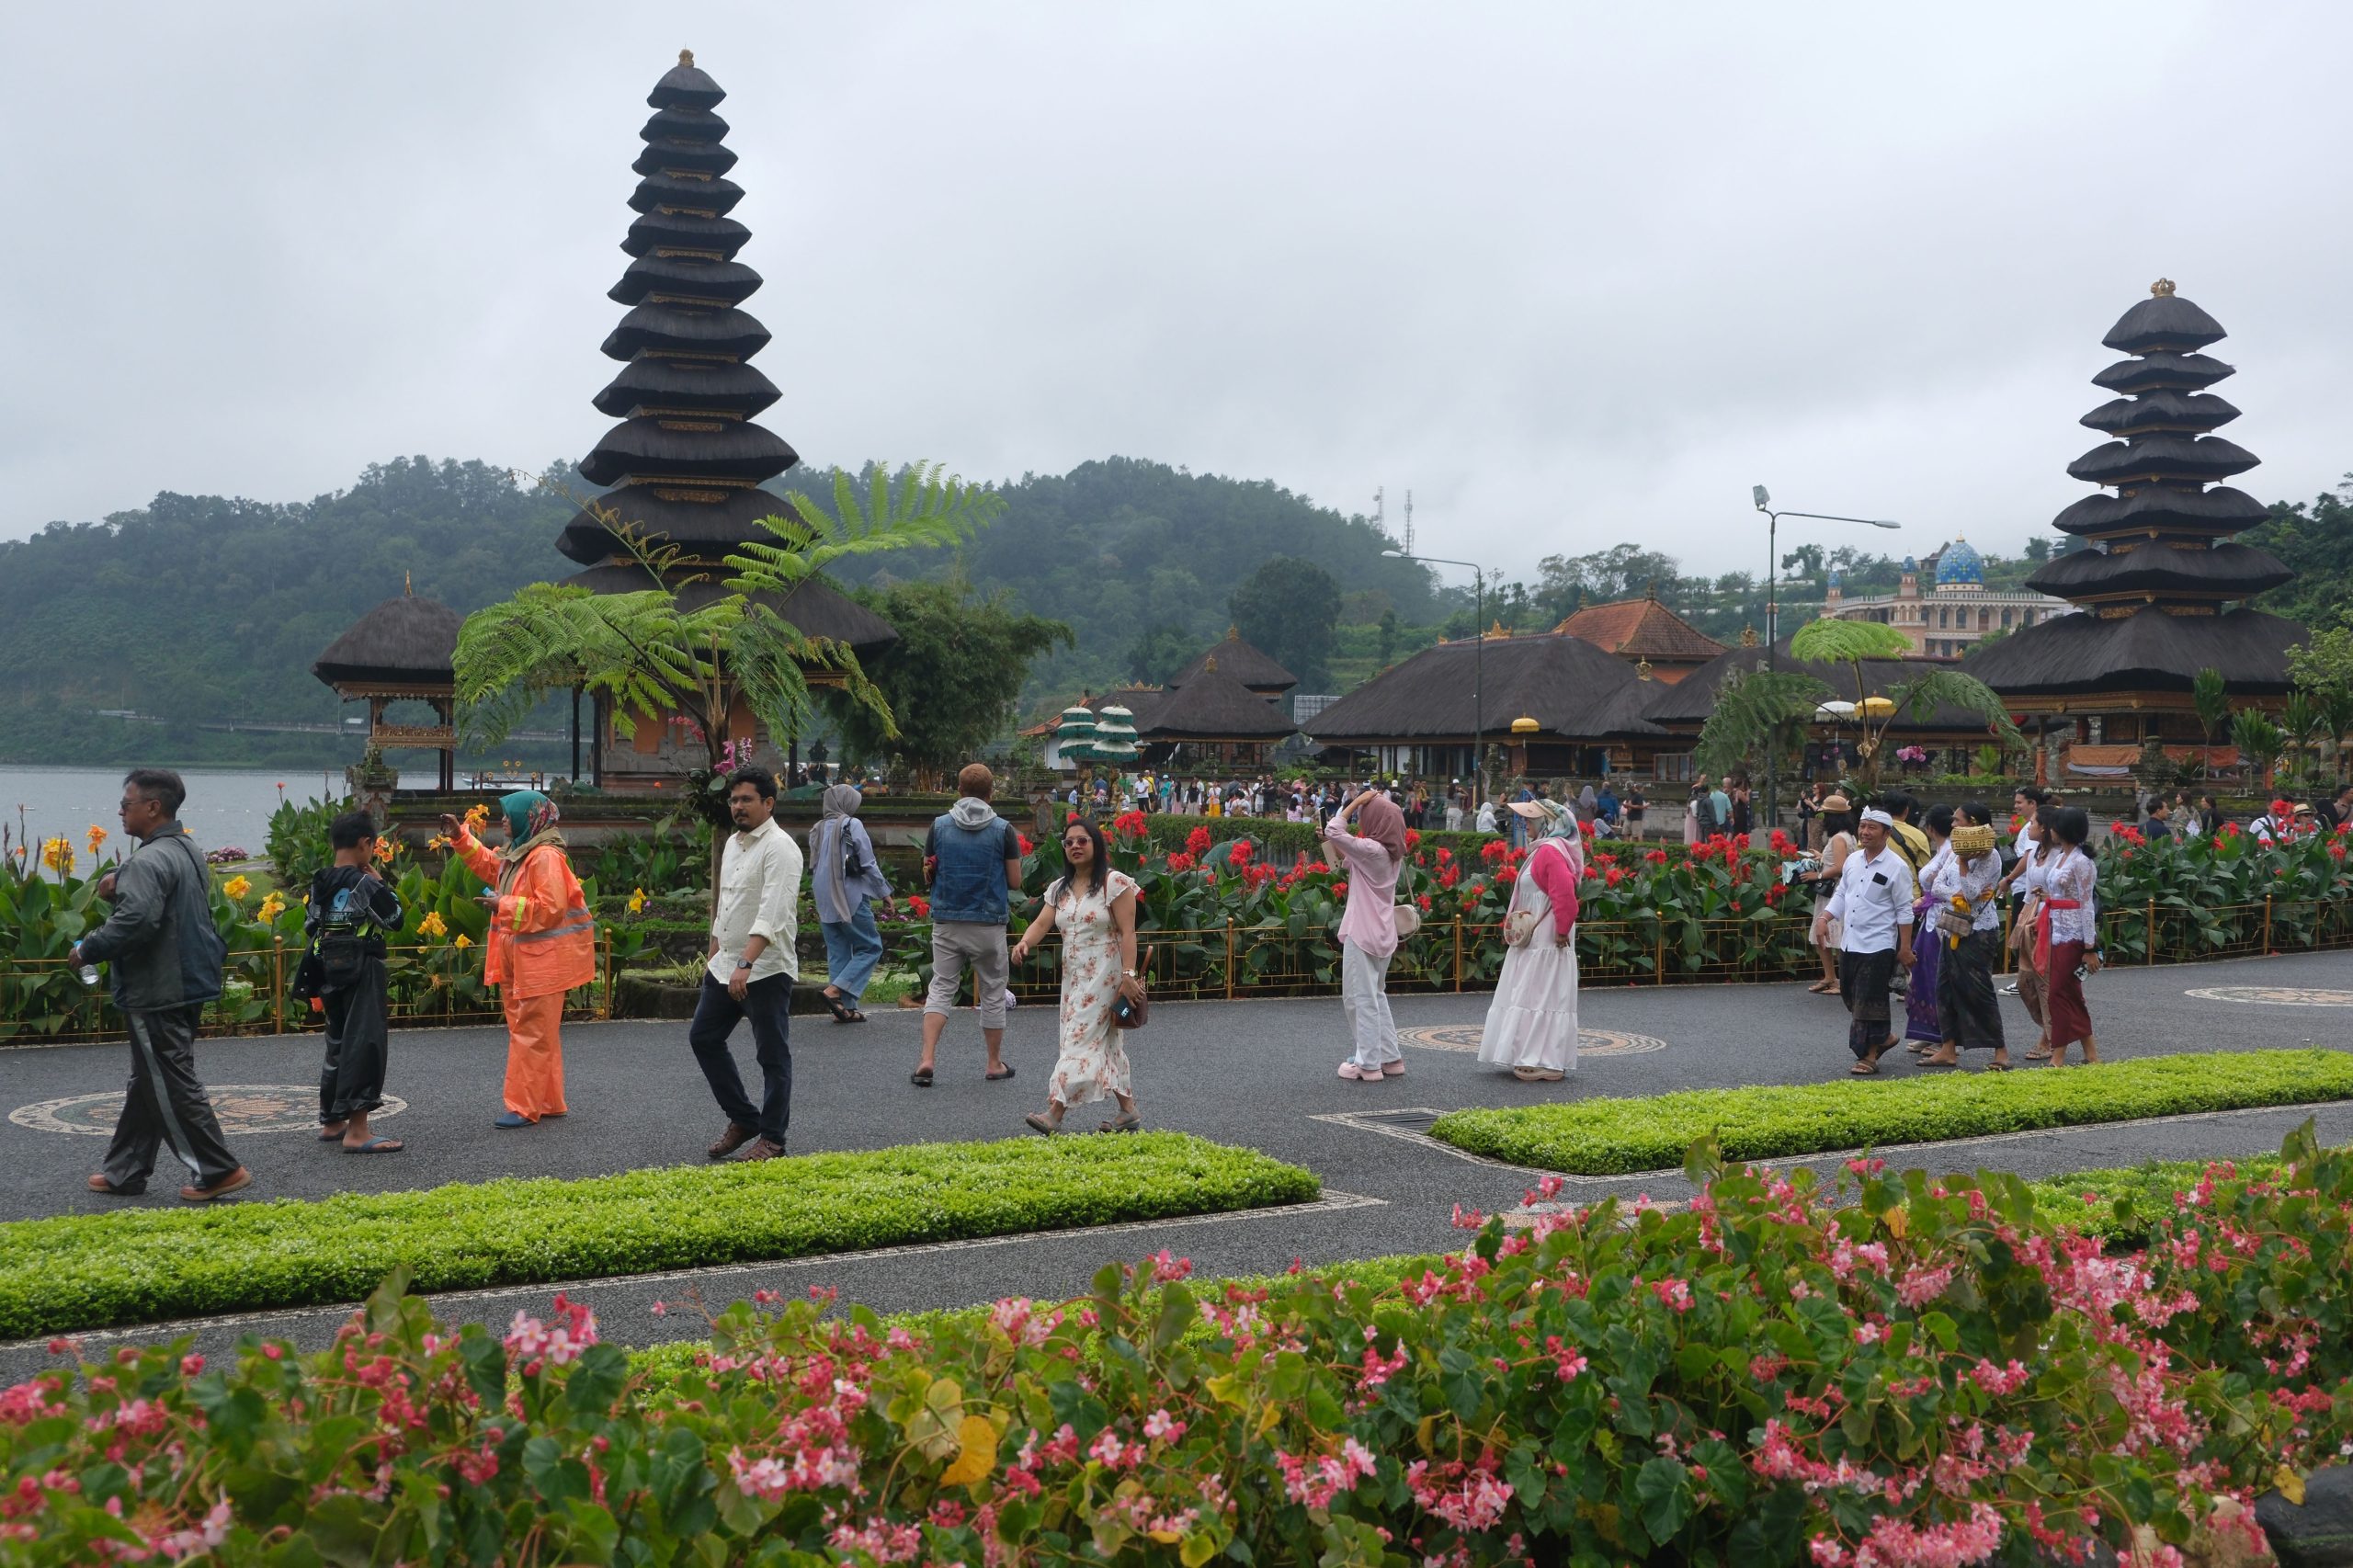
{"x": 403, "y": 651}
{"x": 687, "y": 462}
{"x": 2161, "y": 583}
{"x": 1213, "y": 705}
{"x": 1243, "y": 663}
{"x": 1420, "y": 716}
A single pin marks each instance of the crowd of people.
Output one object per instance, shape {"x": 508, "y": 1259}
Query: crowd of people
{"x": 1452, "y": 806}
{"x": 1909, "y": 902}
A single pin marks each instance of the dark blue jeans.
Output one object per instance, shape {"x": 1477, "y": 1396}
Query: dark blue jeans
{"x": 768, "y": 1004}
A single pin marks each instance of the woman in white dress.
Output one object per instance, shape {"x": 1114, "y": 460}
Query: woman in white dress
{"x": 1096, "y": 908}
{"x": 1532, "y": 1022}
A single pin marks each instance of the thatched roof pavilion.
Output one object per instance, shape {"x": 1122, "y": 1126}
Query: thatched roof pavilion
{"x": 2162, "y": 581}
{"x": 1213, "y": 713}
{"x": 403, "y": 650}
{"x": 1419, "y": 715}
{"x": 1241, "y": 661}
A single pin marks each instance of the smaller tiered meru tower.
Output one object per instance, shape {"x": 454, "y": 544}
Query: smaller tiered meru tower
{"x": 2160, "y": 589}
{"x": 684, "y": 465}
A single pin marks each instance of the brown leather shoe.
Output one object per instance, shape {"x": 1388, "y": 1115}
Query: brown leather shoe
{"x": 735, "y": 1138}
{"x": 129, "y": 1189}
{"x": 235, "y": 1181}
{"x": 762, "y": 1149}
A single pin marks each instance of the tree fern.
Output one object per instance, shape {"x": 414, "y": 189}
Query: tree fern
{"x": 921, "y": 508}
{"x": 1755, "y": 709}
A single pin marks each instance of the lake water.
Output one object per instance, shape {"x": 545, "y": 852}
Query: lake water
{"x": 226, "y": 808}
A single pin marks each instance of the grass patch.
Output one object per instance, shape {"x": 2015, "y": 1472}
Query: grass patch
{"x": 95, "y": 1271}
{"x": 1614, "y": 1137}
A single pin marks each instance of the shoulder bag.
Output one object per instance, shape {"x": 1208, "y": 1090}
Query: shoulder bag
{"x": 1134, "y": 1014}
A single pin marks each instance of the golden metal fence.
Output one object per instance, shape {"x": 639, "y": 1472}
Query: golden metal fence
{"x": 43, "y": 1001}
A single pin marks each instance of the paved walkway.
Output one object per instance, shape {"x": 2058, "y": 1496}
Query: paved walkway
{"x": 1251, "y": 1073}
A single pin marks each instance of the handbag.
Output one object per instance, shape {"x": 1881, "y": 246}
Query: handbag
{"x": 1408, "y": 918}
{"x": 1519, "y": 926}
{"x": 1134, "y": 1014}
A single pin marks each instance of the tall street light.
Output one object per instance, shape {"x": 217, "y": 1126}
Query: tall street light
{"x": 1478, "y": 660}
{"x": 1772, "y": 612}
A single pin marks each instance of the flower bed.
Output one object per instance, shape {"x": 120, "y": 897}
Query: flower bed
{"x": 1885, "y": 1371}
{"x": 87, "y": 1271}
{"x": 1607, "y": 1137}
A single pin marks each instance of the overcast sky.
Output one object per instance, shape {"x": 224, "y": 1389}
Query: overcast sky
{"x": 1573, "y": 274}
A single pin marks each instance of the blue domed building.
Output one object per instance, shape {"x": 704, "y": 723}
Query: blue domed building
{"x": 1956, "y": 610}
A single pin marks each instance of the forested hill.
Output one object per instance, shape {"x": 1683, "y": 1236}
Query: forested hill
{"x": 1121, "y": 548}
{"x": 207, "y": 608}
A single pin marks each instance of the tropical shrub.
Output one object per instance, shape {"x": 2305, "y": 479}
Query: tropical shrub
{"x": 297, "y": 841}
{"x": 87, "y": 1271}
{"x": 1880, "y": 1370}
{"x": 1602, "y": 1136}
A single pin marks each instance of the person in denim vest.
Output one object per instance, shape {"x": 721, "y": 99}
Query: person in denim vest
{"x": 972, "y": 860}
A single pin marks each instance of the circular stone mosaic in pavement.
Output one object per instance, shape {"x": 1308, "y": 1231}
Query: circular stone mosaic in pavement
{"x": 1590, "y": 1042}
{"x": 242, "y": 1107}
{"x": 2274, "y": 995}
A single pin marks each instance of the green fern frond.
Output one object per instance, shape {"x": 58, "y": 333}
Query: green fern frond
{"x": 1752, "y": 709}
{"x": 1933, "y": 689}
{"x": 1845, "y": 642}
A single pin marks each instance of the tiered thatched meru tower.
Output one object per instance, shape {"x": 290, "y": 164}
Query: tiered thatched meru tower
{"x": 2162, "y": 567}
{"x": 687, "y": 461}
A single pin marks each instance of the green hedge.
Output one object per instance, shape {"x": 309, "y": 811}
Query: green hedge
{"x": 93, "y": 1271}
{"x": 1611, "y": 1137}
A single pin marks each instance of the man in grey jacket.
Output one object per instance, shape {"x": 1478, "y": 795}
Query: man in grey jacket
{"x": 165, "y": 957}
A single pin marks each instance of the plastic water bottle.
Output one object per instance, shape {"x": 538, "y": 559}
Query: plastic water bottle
{"x": 89, "y": 972}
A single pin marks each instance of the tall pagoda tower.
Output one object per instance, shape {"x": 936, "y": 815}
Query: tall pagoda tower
{"x": 2160, "y": 589}
{"x": 687, "y": 461}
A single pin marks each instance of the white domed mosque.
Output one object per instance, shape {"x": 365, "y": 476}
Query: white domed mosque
{"x": 1957, "y": 610}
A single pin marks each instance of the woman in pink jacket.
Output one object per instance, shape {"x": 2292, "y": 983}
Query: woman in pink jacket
{"x": 1369, "y": 858}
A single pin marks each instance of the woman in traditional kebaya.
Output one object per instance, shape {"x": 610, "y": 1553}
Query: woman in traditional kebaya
{"x": 542, "y": 943}
{"x": 2067, "y": 934}
{"x": 1532, "y": 1021}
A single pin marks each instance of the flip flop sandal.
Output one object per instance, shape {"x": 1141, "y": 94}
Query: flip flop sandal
{"x": 377, "y": 1146}
{"x": 920, "y": 1077}
{"x": 331, "y": 1137}
{"x": 1864, "y": 1068}
{"x": 1040, "y": 1122}
{"x": 999, "y": 1077}
{"x": 1123, "y": 1124}
{"x": 837, "y": 1006}
{"x": 2000, "y": 1067}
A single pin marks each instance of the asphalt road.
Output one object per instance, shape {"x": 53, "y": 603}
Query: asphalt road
{"x": 1253, "y": 1073}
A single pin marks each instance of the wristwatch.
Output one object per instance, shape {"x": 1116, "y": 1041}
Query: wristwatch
{"x": 745, "y": 964}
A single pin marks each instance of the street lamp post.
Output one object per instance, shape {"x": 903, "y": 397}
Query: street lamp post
{"x": 1764, "y": 500}
{"x": 1477, "y": 661}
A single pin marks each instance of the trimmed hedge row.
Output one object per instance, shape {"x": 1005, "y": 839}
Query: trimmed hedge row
{"x": 1612, "y": 1137}
{"x": 94, "y": 1271}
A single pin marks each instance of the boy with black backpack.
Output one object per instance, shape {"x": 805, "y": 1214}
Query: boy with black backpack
{"x": 351, "y": 908}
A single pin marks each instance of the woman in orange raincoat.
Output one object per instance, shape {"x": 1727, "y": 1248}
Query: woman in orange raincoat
{"x": 540, "y": 944}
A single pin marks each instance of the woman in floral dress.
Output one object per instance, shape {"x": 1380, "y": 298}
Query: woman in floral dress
{"x": 1096, "y": 908}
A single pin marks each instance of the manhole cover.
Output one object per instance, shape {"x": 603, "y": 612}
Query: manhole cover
{"x": 1590, "y": 1042}
{"x": 2275, "y": 996}
{"x": 242, "y": 1107}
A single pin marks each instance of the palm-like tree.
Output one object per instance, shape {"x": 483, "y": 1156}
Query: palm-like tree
{"x": 2211, "y": 695}
{"x": 2258, "y": 740}
{"x": 2300, "y": 721}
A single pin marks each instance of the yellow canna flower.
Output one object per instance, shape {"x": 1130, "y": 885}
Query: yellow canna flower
{"x": 57, "y": 854}
{"x": 476, "y": 814}
{"x": 236, "y": 887}
{"x": 271, "y": 908}
{"x": 96, "y": 836}
{"x": 433, "y": 926}
{"x": 463, "y": 941}
{"x": 637, "y": 901}
{"x": 386, "y": 848}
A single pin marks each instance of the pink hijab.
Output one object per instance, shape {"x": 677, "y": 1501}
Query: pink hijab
{"x": 1379, "y": 820}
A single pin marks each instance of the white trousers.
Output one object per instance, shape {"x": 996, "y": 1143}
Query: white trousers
{"x": 1367, "y": 1005}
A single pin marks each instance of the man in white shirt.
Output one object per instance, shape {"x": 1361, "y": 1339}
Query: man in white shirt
{"x": 1873, "y": 905}
{"x": 751, "y": 970}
